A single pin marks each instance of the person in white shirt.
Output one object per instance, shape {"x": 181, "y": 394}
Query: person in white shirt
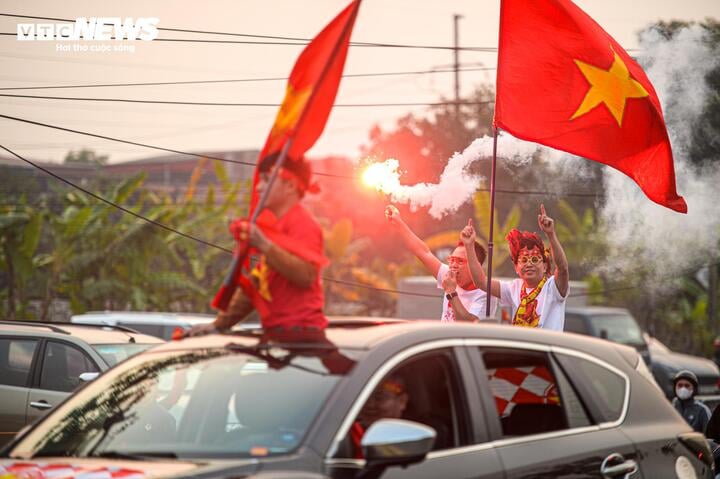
{"x": 463, "y": 300}
{"x": 537, "y": 298}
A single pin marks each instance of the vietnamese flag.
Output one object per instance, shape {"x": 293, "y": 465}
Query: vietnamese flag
{"x": 311, "y": 90}
{"x": 562, "y": 81}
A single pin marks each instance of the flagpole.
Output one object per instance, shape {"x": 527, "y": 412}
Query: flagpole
{"x": 492, "y": 223}
{"x": 222, "y": 299}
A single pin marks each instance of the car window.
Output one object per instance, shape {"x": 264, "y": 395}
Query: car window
{"x": 156, "y": 330}
{"x": 425, "y": 389}
{"x": 179, "y": 402}
{"x": 620, "y": 328}
{"x": 531, "y": 397}
{"x": 62, "y": 366}
{"x": 114, "y": 353}
{"x": 15, "y": 360}
{"x": 601, "y": 389}
{"x": 575, "y": 324}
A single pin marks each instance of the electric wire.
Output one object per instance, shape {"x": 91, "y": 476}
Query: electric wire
{"x": 205, "y": 103}
{"x": 247, "y": 163}
{"x": 236, "y": 80}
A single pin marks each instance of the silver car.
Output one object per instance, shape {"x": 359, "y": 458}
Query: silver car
{"x": 42, "y": 363}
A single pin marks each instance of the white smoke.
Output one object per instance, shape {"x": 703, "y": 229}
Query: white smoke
{"x": 456, "y": 185}
{"x": 641, "y": 233}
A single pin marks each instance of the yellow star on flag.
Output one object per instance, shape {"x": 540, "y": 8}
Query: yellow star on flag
{"x": 289, "y": 113}
{"x": 612, "y": 87}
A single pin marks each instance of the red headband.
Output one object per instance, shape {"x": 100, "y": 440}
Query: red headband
{"x": 290, "y": 176}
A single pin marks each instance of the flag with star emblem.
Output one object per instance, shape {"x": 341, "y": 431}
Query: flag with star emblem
{"x": 563, "y": 82}
{"x": 311, "y": 89}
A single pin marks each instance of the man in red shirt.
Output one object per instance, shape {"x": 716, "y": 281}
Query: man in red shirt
{"x": 286, "y": 283}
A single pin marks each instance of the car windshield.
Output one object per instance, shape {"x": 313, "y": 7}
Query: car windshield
{"x": 236, "y": 401}
{"x": 114, "y": 353}
{"x": 620, "y": 328}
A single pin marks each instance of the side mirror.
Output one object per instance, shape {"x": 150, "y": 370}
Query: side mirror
{"x": 603, "y": 333}
{"x": 87, "y": 377}
{"x": 396, "y": 442}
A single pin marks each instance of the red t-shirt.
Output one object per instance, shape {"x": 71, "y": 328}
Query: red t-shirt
{"x": 292, "y": 305}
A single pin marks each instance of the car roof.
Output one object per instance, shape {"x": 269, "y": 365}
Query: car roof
{"x": 368, "y": 333}
{"x": 596, "y": 311}
{"x": 87, "y": 333}
{"x": 151, "y": 317}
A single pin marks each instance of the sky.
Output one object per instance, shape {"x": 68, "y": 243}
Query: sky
{"x": 214, "y": 128}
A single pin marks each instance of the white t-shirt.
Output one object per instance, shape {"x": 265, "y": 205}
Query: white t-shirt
{"x": 472, "y": 299}
{"x": 550, "y": 303}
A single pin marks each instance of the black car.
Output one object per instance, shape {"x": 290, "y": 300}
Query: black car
{"x": 618, "y": 325}
{"x": 468, "y": 401}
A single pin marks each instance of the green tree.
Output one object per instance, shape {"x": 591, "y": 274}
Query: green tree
{"x": 85, "y": 156}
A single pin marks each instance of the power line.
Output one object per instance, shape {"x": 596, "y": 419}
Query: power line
{"x": 239, "y": 80}
{"x": 186, "y": 235}
{"x": 247, "y": 163}
{"x": 203, "y": 103}
{"x": 115, "y": 205}
{"x": 285, "y": 40}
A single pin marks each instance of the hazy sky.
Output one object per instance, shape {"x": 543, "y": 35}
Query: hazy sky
{"x": 417, "y": 22}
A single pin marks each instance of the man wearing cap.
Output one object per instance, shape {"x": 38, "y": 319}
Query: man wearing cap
{"x": 286, "y": 287}
{"x": 695, "y": 412}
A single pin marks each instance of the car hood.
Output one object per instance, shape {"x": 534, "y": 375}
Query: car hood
{"x": 70, "y": 468}
{"x": 679, "y": 361}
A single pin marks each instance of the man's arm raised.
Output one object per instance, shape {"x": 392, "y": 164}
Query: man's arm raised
{"x": 412, "y": 242}
{"x": 562, "y": 274}
{"x": 468, "y": 237}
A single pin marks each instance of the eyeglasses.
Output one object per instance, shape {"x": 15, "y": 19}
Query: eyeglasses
{"x": 456, "y": 260}
{"x": 530, "y": 259}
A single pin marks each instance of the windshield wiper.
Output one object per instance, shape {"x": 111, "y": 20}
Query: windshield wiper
{"x": 132, "y": 456}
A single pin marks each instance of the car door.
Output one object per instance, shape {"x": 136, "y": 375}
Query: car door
{"x": 544, "y": 427}
{"x": 441, "y": 393}
{"x": 58, "y": 375}
{"x": 17, "y": 358}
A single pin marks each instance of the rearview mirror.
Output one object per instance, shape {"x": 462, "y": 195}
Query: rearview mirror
{"x": 603, "y": 333}
{"x": 396, "y": 442}
{"x": 87, "y": 377}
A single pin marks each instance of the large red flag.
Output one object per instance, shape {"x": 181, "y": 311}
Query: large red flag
{"x": 311, "y": 90}
{"x": 562, "y": 81}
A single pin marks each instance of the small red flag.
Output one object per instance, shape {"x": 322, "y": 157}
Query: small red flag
{"x": 311, "y": 90}
{"x": 562, "y": 81}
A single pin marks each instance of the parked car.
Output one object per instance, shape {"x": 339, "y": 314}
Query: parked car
{"x": 613, "y": 324}
{"x": 617, "y": 324}
{"x": 42, "y": 363}
{"x": 481, "y": 401}
{"x": 161, "y": 325}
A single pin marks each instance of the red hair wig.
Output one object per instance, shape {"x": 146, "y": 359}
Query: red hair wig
{"x": 517, "y": 240}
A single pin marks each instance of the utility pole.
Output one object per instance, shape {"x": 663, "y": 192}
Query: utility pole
{"x": 456, "y": 62}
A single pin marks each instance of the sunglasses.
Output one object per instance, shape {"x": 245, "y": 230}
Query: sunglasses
{"x": 530, "y": 259}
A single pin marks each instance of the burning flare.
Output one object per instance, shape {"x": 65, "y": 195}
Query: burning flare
{"x": 384, "y": 177}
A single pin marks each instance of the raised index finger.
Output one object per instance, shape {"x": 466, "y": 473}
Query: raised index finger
{"x": 542, "y": 209}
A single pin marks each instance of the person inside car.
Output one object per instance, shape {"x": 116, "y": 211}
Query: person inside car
{"x": 388, "y": 401}
{"x": 695, "y": 412}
